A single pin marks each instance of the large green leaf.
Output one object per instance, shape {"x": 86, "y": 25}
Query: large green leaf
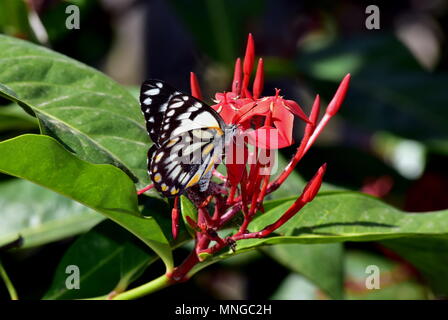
{"x": 104, "y": 188}
{"x": 40, "y": 216}
{"x": 89, "y": 113}
{"x": 337, "y": 216}
{"x": 108, "y": 258}
{"x": 320, "y": 263}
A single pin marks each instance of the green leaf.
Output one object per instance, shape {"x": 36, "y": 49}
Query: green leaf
{"x": 108, "y": 258}
{"x": 12, "y": 118}
{"x": 395, "y": 283}
{"x": 322, "y": 264}
{"x": 104, "y": 188}
{"x": 429, "y": 256}
{"x": 89, "y": 113}
{"x": 188, "y": 210}
{"x": 40, "y": 216}
{"x": 338, "y": 216}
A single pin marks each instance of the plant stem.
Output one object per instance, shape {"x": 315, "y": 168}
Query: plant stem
{"x": 145, "y": 289}
{"x": 12, "y": 291}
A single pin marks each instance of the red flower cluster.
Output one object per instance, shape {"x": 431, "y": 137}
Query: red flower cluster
{"x": 247, "y": 183}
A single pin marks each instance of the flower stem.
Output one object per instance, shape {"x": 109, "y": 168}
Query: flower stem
{"x": 11, "y": 290}
{"x": 148, "y": 187}
{"x": 145, "y": 289}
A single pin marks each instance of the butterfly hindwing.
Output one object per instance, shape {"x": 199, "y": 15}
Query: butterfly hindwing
{"x": 182, "y": 161}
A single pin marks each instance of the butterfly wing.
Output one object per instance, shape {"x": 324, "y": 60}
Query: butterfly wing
{"x": 185, "y": 113}
{"x": 184, "y": 160}
{"x": 154, "y": 98}
{"x": 188, "y": 137}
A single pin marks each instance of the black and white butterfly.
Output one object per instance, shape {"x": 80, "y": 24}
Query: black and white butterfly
{"x": 188, "y": 135}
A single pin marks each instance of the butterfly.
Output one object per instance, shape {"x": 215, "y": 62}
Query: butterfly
{"x": 189, "y": 138}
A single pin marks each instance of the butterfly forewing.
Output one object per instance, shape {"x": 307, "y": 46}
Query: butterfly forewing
{"x": 185, "y": 113}
{"x": 154, "y": 99}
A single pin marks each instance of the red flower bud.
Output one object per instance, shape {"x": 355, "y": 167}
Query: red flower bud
{"x": 194, "y": 84}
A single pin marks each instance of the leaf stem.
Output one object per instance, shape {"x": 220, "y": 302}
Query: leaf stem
{"x": 145, "y": 289}
{"x": 12, "y": 291}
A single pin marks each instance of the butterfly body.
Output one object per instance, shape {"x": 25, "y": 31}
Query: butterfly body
{"x": 189, "y": 138}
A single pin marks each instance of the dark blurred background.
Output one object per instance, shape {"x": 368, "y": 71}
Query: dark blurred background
{"x": 390, "y": 138}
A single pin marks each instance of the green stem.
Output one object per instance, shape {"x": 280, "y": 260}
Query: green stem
{"x": 12, "y": 291}
{"x": 145, "y": 289}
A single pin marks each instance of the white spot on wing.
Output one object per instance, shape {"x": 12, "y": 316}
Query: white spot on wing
{"x": 185, "y": 126}
{"x": 170, "y": 166}
{"x": 177, "y": 104}
{"x": 202, "y": 134}
{"x": 152, "y": 92}
{"x": 192, "y": 148}
{"x": 147, "y": 101}
{"x": 185, "y": 179}
{"x": 182, "y": 176}
{"x": 158, "y": 157}
{"x": 173, "y": 175}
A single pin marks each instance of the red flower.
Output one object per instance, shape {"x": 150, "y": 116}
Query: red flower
{"x": 264, "y": 117}
{"x": 278, "y": 121}
{"x": 267, "y": 124}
